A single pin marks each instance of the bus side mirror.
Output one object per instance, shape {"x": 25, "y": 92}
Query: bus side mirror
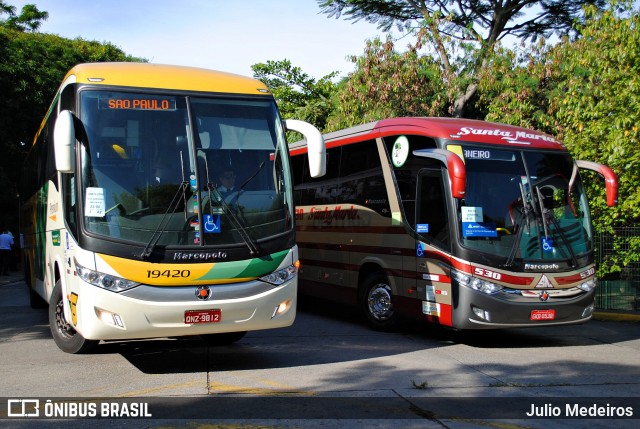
{"x": 64, "y": 140}
{"x": 455, "y": 168}
{"x": 315, "y": 146}
{"x": 610, "y": 179}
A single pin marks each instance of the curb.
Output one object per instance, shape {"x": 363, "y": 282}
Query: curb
{"x": 614, "y": 316}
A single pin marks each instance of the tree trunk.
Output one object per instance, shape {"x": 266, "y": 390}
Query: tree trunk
{"x": 461, "y": 100}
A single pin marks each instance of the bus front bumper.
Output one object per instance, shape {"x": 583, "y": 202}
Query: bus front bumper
{"x": 477, "y": 310}
{"x": 153, "y": 312}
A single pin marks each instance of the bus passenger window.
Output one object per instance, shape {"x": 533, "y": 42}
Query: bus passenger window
{"x": 431, "y": 207}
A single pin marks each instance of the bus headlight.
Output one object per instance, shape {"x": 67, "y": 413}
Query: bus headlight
{"x": 476, "y": 283}
{"x": 588, "y": 285}
{"x": 281, "y": 276}
{"x": 104, "y": 281}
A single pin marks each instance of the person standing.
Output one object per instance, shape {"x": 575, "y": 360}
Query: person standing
{"x": 6, "y": 242}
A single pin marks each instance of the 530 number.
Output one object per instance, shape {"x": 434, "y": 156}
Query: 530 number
{"x": 487, "y": 273}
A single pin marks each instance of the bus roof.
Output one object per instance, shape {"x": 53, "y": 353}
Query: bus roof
{"x": 146, "y": 75}
{"x": 444, "y": 128}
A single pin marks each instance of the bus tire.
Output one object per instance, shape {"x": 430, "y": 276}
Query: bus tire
{"x": 223, "y": 339}
{"x": 66, "y": 338}
{"x": 376, "y": 301}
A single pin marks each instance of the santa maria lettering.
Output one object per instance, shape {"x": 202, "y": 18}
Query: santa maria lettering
{"x": 509, "y": 136}
{"x": 328, "y": 215}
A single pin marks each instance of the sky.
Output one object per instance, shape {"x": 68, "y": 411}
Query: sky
{"x": 226, "y": 35}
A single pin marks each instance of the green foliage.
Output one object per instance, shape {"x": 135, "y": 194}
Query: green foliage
{"x": 586, "y": 92}
{"x": 298, "y": 95}
{"x": 386, "y": 84}
{"x": 32, "y": 66}
{"x": 475, "y": 26}
{"x": 30, "y": 17}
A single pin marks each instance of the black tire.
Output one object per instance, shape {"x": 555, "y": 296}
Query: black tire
{"x": 376, "y": 301}
{"x": 66, "y": 338}
{"x": 223, "y": 339}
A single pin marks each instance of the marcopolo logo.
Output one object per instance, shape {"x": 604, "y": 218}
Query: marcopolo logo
{"x": 199, "y": 256}
{"x": 528, "y": 266}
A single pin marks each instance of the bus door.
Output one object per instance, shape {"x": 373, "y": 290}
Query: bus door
{"x": 441, "y": 177}
{"x": 433, "y": 245}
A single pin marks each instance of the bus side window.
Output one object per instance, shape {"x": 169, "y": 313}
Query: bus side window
{"x": 362, "y": 181}
{"x": 432, "y": 208}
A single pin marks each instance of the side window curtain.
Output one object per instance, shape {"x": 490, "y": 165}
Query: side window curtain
{"x": 362, "y": 181}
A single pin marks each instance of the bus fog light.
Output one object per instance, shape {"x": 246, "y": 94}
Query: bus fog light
{"x": 589, "y": 310}
{"x": 281, "y": 308}
{"x": 109, "y": 317}
{"x": 483, "y": 314}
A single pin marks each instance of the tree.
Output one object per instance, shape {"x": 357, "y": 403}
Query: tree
{"x": 30, "y": 17}
{"x": 298, "y": 95}
{"x": 464, "y": 33}
{"x": 32, "y": 65}
{"x": 587, "y": 92}
{"x": 386, "y": 83}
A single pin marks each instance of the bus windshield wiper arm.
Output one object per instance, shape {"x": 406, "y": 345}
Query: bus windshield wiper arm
{"x": 242, "y": 231}
{"x": 526, "y": 211}
{"x": 180, "y": 193}
{"x": 237, "y": 223}
{"x": 548, "y": 217}
{"x": 155, "y": 237}
{"x": 241, "y": 187}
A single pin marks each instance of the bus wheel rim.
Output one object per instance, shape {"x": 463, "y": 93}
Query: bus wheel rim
{"x": 379, "y": 302}
{"x": 61, "y": 322}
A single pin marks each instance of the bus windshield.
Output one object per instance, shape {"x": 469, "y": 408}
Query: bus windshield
{"x": 183, "y": 170}
{"x": 526, "y": 205}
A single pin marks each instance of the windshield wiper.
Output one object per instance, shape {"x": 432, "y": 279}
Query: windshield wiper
{"x": 173, "y": 205}
{"x": 548, "y": 217}
{"x": 155, "y": 237}
{"x": 237, "y": 223}
{"x": 526, "y": 211}
{"x": 241, "y": 187}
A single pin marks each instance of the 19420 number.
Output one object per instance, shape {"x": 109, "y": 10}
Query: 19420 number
{"x": 155, "y": 274}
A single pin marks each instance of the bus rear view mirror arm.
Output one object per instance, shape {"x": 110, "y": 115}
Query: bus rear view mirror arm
{"x": 610, "y": 179}
{"x": 64, "y": 140}
{"x": 315, "y": 145}
{"x": 455, "y": 168}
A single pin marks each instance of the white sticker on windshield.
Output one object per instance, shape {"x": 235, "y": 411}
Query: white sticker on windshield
{"x": 471, "y": 214}
{"x": 94, "y": 202}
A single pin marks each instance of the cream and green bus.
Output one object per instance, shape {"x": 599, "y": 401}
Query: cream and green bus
{"x": 127, "y": 231}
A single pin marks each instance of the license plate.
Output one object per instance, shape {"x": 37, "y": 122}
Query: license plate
{"x": 192, "y": 317}
{"x": 543, "y": 314}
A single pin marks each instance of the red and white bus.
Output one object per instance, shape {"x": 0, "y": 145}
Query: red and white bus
{"x": 467, "y": 224}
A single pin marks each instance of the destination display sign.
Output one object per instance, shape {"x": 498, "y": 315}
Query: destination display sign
{"x": 136, "y": 102}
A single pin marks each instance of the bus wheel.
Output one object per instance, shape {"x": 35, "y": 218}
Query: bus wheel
{"x": 223, "y": 339}
{"x": 376, "y": 302}
{"x": 66, "y": 338}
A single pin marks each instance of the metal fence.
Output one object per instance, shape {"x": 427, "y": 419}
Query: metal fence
{"x": 620, "y": 290}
